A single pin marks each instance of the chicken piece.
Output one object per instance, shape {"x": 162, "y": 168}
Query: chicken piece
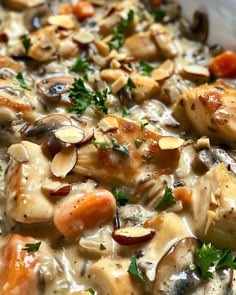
{"x": 113, "y": 156}
{"x": 44, "y": 44}
{"x": 142, "y": 46}
{"x": 25, "y": 201}
{"x": 214, "y": 207}
{"x": 211, "y": 109}
{"x": 21, "y": 4}
{"x": 110, "y": 276}
{"x": 14, "y": 101}
{"x": 10, "y": 64}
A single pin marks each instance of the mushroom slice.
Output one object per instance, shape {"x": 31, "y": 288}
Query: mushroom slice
{"x": 69, "y": 134}
{"x": 46, "y": 125}
{"x": 36, "y": 17}
{"x": 51, "y": 89}
{"x": 64, "y": 161}
{"x": 173, "y": 274}
{"x": 133, "y": 235}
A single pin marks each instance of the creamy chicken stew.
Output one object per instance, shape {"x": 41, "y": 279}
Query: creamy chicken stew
{"x": 117, "y": 150}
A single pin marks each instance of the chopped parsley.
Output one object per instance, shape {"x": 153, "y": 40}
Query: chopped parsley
{"x": 143, "y": 124}
{"x": 120, "y": 148}
{"x": 125, "y": 23}
{"x": 118, "y": 33}
{"x": 145, "y": 68}
{"x": 133, "y": 269}
{"x": 102, "y": 145}
{"x": 102, "y": 247}
{"x": 121, "y": 198}
{"x": 32, "y": 247}
{"x": 167, "y": 200}
{"x": 138, "y": 143}
{"x": 19, "y": 78}
{"x": 83, "y": 98}
{"x": 26, "y": 42}
{"x": 207, "y": 256}
{"x": 91, "y": 290}
{"x": 130, "y": 85}
{"x": 81, "y": 65}
{"x": 159, "y": 15}
{"x": 125, "y": 112}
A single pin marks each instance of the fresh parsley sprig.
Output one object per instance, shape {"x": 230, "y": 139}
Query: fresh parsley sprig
{"x": 125, "y": 23}
{"x": 19, "y": 78}
{"x": 26, "y": 42}
{"x": 145, "y": 68}
{"x": 81, "y": 65}
{"x": 129, "y": 85}
{"x": 159, "y": 15}
{"x": 120, "y": 196}
{"x": 32, "y": 247}
{"x": 167, "y": 199}
{"x": 83, "y": 98}
{"x": 133, "y": 268}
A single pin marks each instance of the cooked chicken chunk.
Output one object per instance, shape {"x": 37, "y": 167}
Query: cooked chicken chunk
{"x": 114, "y": 157}
{"x": 24, "y": 178}
{"x": 214, "y": 207}
{"x": 211, "y": 110}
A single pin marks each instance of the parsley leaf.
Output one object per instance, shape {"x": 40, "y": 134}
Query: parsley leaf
{"x": 130, "y": 85}
{"x": 121, "y": 198}
{"x": 125, "y": 112}
{"x": 138, "y": 142}
{"x": 102, "y": 145}
{"x": 205, "y": 258}
{"x": 125, "y": 23}
{"x": 26, "y": 42}
{"x": 143, "y": 124}
{"x": 81, "y": 65}
{"x": 91, "y": 290}
{"x": 159, "y": 15}
{"x": 120, "y": 148}
{"x": 133, "y": 269}
{"x": 145, "y": 68}
{"x": 83, "y": 98}
{"x": 19, "y": 78}
{"x": 167, "y": 200}
{"x": 32, "y": 247}
{"x": 118, "y": 39}
{"x": 102, "y": 247}
{"x": 226, "y": 259}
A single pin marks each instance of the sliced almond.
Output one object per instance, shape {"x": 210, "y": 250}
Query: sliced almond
{"x": 88, "y": 135}
{"x": 203, "y": 143}
{"x": 19, "y": 152}
{"x": 164, "y": 71}
{"x": 115, "y": 64}
{"x": 196, "y": 72}
{"x": 83, "y": 36}
{"x": 51, "y": 187}
{"x": 210, "y": 219}
{"x": 102, "y": 47}
{"x": 64, "y": 21}
{"x": 108, "y": 123}
{"x": 170, "y": 143}
{"x": 119, "y": 84}
{"x": 69, "y": 134}
{"x": 64, "y": 161}
{"x": 133, "y": 235}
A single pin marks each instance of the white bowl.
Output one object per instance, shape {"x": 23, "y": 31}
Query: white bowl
{"x": 222, "y": 14}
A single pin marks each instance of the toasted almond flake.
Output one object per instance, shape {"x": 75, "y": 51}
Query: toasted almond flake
{"x": 51, "y": 187}
{"x": 115, "y": 64}
{"x": 64, "y": 161}
{"x": 108, "y": 123}
{"x": 89, "y": 133}
{"x": 196, "y": 71}
{"x": 164, "y": 71}
{"x": 83, "y": 36}
{"x": 102, "y": 47}
{"x": 119, "y": 84}
{"x": 170, "y": 143}
{"x": 64, "y": 21}
{"x": 19, "y": 152}
{"x": 69, "y": 134}
{"x": 210, "y": 219}
{"x": 203, "y": 143}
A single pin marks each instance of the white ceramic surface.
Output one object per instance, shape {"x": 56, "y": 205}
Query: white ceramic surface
{"x": 222, "y": 16}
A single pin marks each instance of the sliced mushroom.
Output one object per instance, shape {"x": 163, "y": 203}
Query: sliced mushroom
{"x": 202, "y": 162}
{"x": 173, "y": 274}
{"x": 198, "y": 30}
{"x": 51, "y": 89}
{"x": 36, "y": 17}
{"x": 221, "y": 155}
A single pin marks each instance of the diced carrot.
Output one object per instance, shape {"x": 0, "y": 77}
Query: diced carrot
{"x": 65, "y": 9}
{"x": 90, "y": 210}
{"x": 19, "y": 268}
{"x": 183, "y": 194}
{"x": 224, "y": 65}
{"x": 83, "y": 9}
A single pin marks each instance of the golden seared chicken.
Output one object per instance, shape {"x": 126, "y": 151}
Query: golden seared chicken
{"x": 211, "y": 110}
{"x": 123, "y": 150}
{"x": 214, "y": 207}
